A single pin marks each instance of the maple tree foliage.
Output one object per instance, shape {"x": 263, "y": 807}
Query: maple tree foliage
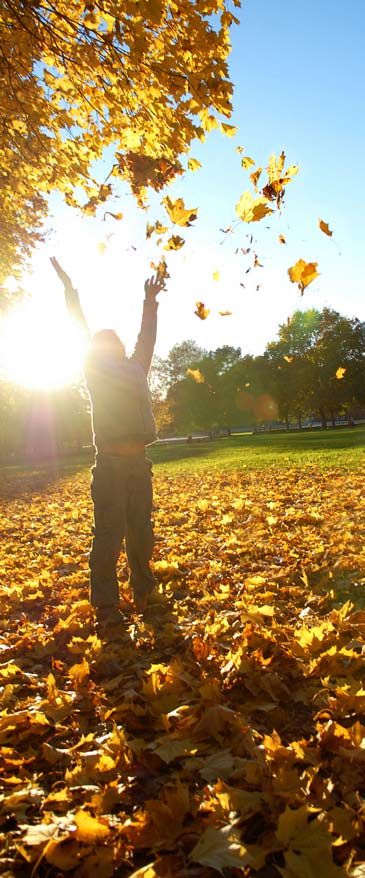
{"x": 78, "y": 76}
{"x": 224, "y": 733}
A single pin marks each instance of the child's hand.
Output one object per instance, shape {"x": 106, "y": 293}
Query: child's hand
{"x": 153, "y": 286}
{"x": 66, "y": 280}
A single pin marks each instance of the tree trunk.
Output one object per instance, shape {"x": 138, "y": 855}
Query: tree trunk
{"x": 323, "y": 419}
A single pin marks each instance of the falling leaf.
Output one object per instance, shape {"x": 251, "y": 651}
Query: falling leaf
{"x": 174, "y": 243}
{"x": 288, "y": 359}
{"x": 216, "y": 275}
{"x": 194, "y": 164}
{"x": 247, "y": 162}
{"x": 196, "y": 375}
{"x": 178, "y": 213}
{"x": 340, "y": 372}
{"x": 257, "y": 263}
{"x": 282, "y": 240}
{"x": 116, "y": 216}
{"x": 325, "y": 228}
{"x": 303, "y": 273}
{"x": 157, "y": 228}
{"x": 161, "y": 269}
{"x": 252, "y": 210}
{"x": 225, "y": 313}
{"x": 101, "y": 247}
{"x": 201, "y": 310}
{"x": 229, "y": 130}
{"x": 255, "y": 176}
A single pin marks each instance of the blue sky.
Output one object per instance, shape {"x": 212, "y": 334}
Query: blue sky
{"x": 299, "y": 75}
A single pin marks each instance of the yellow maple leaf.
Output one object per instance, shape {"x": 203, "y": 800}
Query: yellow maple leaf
{"x": 174, "y": 243}
{"x": 220, "y": 849}
{"x": 247, "y": 162}
{"x": 224, "y": 313}
{"x": 340, "y": 372}
{"x": 303, "y": 273}
{"x": 288, "y": 359}
{"x": 160, "y": 269}
{"x": 178, "y": 213}
{"x": 89, "y": 829}
{"x": 201, "y": 310}
{"x": 215, "y": 275}
{"x": 252, "y": 210}
{"x": 194, "y": 164}
{"x": 229, "y": 130}
{"x": 155, "y": 228}
{"x": 325, "y": 228}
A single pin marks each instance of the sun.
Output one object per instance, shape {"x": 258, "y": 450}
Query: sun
{"x": 38, "y": 352}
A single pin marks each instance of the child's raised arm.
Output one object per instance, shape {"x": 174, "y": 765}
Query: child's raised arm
{"x": 72, "y": 298}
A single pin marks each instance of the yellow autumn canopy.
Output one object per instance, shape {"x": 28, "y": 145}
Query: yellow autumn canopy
{"x": 145, "y": 79}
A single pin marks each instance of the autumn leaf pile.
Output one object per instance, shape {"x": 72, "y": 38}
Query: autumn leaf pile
{"x": 225, "y": 732}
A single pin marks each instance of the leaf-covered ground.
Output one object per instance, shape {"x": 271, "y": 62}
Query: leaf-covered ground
{"x": 223, "y": 734}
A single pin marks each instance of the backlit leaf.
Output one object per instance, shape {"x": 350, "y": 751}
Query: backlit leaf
{"x": 201, "y": 311}
{"x": 252, "y": 210}
{"x": 174, "y": 243}
{"x": 303, "y": 273}
{"x": 178, "y": 213}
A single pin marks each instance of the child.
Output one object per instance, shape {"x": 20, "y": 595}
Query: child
{"x": 123, "y": 424}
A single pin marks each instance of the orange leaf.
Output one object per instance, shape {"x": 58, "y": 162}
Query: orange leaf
{"x": 303, "y": 273}
{"x": 340, "y": 372}
{"x": 325, "y": 228}
{"x": 201, "y": 310}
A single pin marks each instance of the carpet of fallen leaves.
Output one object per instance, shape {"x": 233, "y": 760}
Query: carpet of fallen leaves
{"x": 224, "y": 733}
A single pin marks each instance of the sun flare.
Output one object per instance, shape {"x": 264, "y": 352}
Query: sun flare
{"x": 37, "y": 352}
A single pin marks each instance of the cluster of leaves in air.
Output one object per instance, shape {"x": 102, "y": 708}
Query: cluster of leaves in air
{"x": 222, "y": 734}
{"x": 144, "y": 79}
{"x": 249, "y": 209}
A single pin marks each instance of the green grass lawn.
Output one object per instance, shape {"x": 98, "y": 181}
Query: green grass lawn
{"x": 343, "y": 448}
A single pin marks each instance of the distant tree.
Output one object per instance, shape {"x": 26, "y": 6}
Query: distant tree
{"x": 316, "y": 365}
{"x": 182, "y": 356}
{"x": 39, "y": 423}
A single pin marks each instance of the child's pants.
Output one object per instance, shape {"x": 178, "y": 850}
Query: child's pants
{"x": 121, "y": 490}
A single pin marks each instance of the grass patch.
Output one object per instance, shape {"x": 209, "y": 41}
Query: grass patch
{"x": 342, "y": 448}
